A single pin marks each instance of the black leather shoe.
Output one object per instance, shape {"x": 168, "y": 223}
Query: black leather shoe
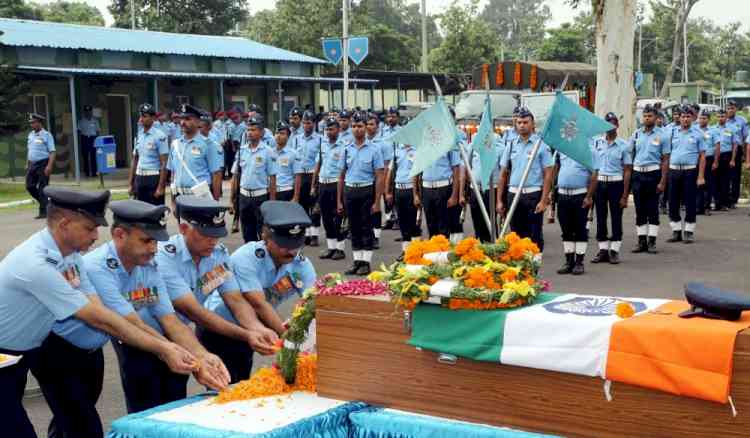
{"x": 642, "y": 246}
{"x": 327, "y": 254}
{"x": 689, "y": 237}
{"x": 307, "y": 240}
{"x": 398, "y": 239}
{"x": 601, "y": 257}
{"x": 376, "y": 243}
{"x": 364, "y": 268}
{"x": 676, "y": 237}
{"x": 353, "y": 270}
{"x": 567, "y": 266}
{"x": 314, "y": 241}
{"x": 338, "y": 255}
{"x": 578, "y": 266}
{"x": 614, "y": 257}
{"x": 651, "y": 248}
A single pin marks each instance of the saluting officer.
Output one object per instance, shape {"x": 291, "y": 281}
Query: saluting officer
{"x": 528, "y": 219}
{"x": 727, "y": 160}
{"x": 195, "y": 163}
{"x": 254, "y": 179}
{"x": 148, "y": 172}
{"x": 273, "y": 270}
{"x": 125, "y": 275}
{"x": 742, "y": 130}
{"x": 388, "y": 130}
{"x": 612, "y": 191}
{"x": 713, "y": 151}
{"x": 386, "y": 152}
{"x": 44, "y": 280}
{"x": 362, "y": 168}
{"x": 195, "y": 265}
{"x": 651, "y": 150}
{"x": 440, "y": 185}
{"x": 328, "y": 167}
{"x": 39, "y": 162}
{"x": 345, "y": 131}
{"x": 88, "y": 127}
{"x": 288, "y": 166}
{"x": 308, "y": 146}
{"x": 235, "y": 132}
{"x": 687, "y": 163}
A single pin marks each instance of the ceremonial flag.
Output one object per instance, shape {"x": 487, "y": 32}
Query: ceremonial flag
{"x": 432, "y": 133}
{"x": 569, "y": 128}
{"x": 482, "y": 145}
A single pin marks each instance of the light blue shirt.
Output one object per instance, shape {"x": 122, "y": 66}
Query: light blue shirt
{"x": 509, "y": 135}
{"x": 612, "y": 157}
{"x": 710, "y": 138}
{"x": 255, "y": 272}
{"x": 740, "y": 125}
{"x": 88, "y": 127}
{"x": 650, "y": 146}
{"x": 181, "y": 275}
{"x": 149, "y": 146}
{"x": 442, "y": 169}
{"x": 476, "y": 165}
{"x": 332, "y": 154}
{"x": 360, "y": 163}
{"x": 500, "y": 144}
{"x": 173, "y": 130}
{"x": 39, "y": 145}
{"x": 573, "y": 175}
{"x": 727, "y": 137}
{"x": 404, "y": 161}
{"x": 236, "y": 131}
{"x": 288, "y": 164}
{"x": 308, "y": 149}
{"x": 217, "y": 135}
{"x": 346, "y": 137}
{"x": 517, "y": 154}
{"x": 687, "y": 145}
{"x": 386, "y": 148}
{"x": 141, "y": 291}
{"x": 257, "y": 166}
{"x": 199, "y": 155}
{"x": 388, "y": 131}
{"x": 34, "y": 292}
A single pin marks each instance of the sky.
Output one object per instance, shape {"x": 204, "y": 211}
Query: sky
{"x": 715, "y": 10}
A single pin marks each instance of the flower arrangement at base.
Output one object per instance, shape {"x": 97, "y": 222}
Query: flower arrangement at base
{"x": 295, "y": 369}
{"x": 468, "y": 275}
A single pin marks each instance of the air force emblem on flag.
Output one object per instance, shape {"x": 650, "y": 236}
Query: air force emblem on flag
{"x": 590, "y": 306}
{"x": 432, "y": 136}
{"x": 569, "y": 129}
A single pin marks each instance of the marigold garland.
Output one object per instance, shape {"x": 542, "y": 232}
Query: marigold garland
{"x": 624, "y": 309}
{"x": 500, "y": 75}
{"x": 517, "y": 75}
{"x": 269, "y": 381}
{"x": 485, "y": 79}
{"x": 414, "y": 254}
{"x": 534, "y": 77}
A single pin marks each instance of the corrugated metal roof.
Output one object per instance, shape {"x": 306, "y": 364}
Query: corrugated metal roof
{"x": 180, "y": 75}
{"x": 738, "y": 94}
{"x": 73, "y": 36}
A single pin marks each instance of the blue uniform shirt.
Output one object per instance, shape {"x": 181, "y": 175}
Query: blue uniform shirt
{"x": 332, "y": 154}
{"x": 727, "y": 137}
{"x": 404, "y": 161}
{"x": 255, "y": 272}
{"x": 687, "y": 144}
{"x": 149, "y": 146}
{"x": 740, "y": 125}
{"x": 710, "y": 138}
{"x": 517, "y": 154}
{"x": 308, "y": 149}
{"x": 288, "y": 164}
{"x": 257, "y": 166}
{"x": 88, "y": 127}
{"x": 236, "y": 131}
{"x": 442, "y": 169}
{"x": 39, "y": 145}
{"x": 217, "y": 135}
{"x": 199, "y": 155}
{"x": 182, "y": 276}
{"x": 573, "y": 175}
{"x": 142, "y": 291}
{"x": 361, "y": 163}
{"x": 650, "y": 146}
{"x": 38, "y": 286}
{"x": 346, "y": 137}
{"x": 612, "y": 157}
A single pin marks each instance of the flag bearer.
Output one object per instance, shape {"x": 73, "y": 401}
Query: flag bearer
{"x": 148, "y": 171}
{"x": 326, "y": 177}
{"x": 440, "y": 185}
{"x": 308, "y": 146}
{"x": 40, "y": 161}
{"x": 480, "y": 226}
{"x": 612, "y": 190}
{"x": 386, "y": 151}
{"x": 406, "y": 194}
{"x": 288, "y": 166}
{"x": 713, "y": 150}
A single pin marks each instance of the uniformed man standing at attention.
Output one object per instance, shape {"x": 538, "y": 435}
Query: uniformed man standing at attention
{"x": 235, "y": 132}
{"x": 388, "y": 130}
{"x": 687, "y": 163}
{"x": 288, "y": 166}
{"x": 195, "y": 164}
{"x": 362, "y": 168}
{"x": 269, "y": 272}
{"x": 651, "y": 149}
{"x": 707, "y": 193}
{"x": 295, "y": 123}
{"x": 308, "y": 146}
{"x": 440, "y": 184}
{"x": 725, "y": 162}
{"x": 88, "y": 127}
{"x": 386, "y": 151}
{"x": 528, "y": 218}
{"x": 148, "y": 171}
{"x": 345, "y": 130}
{"x": 44, "y": 280}
{"x": 40, "y": 161}
{"x": 255, "y": 111}
{"x": 328, "y": 167}
{"x": 254, "y": 179}
{"x": 742, "y": 130}
{"x": 125, "y": 276}
{"x": 612, "y": 191}
{"x": 402, "y": 194}
{"x": 195, "y": 265}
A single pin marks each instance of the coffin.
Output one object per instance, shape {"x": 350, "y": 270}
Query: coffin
{"x": 363, "y": 355}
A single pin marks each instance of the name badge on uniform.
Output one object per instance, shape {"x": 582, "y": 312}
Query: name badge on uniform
{"x": 141, "y": 297}
{"x": 195, "y": 150}
{"x": 38, "y": 140}
{"x": 284, "y": 161}
{"x": 258, "y": 161}
{"x": 73, "y": 276}
{"x": 150, "y": 145}
{"x": 336, "y": 156}
{"x": 727, "y": 133}
{"x": 655, "y": 141}
{"x": 706, "y": 136}
{"x": 214, "y": 278}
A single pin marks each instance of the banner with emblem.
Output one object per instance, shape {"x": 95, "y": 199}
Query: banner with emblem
{"x": 482, "y": 144}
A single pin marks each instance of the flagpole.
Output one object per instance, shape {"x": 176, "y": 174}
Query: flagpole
{"x": 475, "y": 187}
{"x": 524, "y": 177}
{"x": 493, "y": 212}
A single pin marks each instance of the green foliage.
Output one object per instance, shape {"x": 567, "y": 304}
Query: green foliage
{"x": 19, "y": 9}
{"x": 203, "y": 17}
{"x": 75, "y": 12}
{"x": 519, "y": 25}
{"x": 469, "y": 40}
{"x": 13, "y": 91}
{"x": 565, "y": 43}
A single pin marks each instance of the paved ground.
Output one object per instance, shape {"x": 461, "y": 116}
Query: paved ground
{"x": 719, "y": 257}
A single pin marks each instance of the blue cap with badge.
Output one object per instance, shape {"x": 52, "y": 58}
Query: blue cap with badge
{"x": 287, "y": 222}
{"x": 90, "y": 204}
{"x": 152, "y": 219}
{"x": 205, "y": 214}
{"x": 187, "y": 110}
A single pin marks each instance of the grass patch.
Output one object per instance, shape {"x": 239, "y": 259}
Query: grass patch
{"x": 34, "y": 206}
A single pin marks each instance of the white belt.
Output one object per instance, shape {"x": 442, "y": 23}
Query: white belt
{"x": 358, "y": 185}
{"x": 436, "y": 184}
{"x": 609, "y": 178}
{"x": 308, "y": 172}
{"x": 525, "y": 190}
{"x": 572, "y": 192}
{"x": 145, "y": 172}
{"x": 253, "y": 193}
{"x": 182, "y": 190}
{"x": 682, "y": 166}
{"x": 404, "y": 186}
{"x": 328, "y": 180}
{"x": 649, "y": 168}
{"x": 283, "y": 189}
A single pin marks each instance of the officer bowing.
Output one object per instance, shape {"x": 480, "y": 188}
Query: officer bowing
{"x": 328, "y": 167}
{"x": 125, "y": 275}
{"x": 148, "y": 172}
{"x": 195, "y": 265}
{"x": 288, "y": 166}
{"x": 308, "y": 147}
{"x": 40, "y": 161}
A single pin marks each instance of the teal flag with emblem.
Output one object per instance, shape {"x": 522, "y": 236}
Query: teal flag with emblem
{"x": 569, "y": 128}
{"x": 482, "y": 145}
{"x": 432, "y": 133}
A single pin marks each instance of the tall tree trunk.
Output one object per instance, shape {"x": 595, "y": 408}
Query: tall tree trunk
{"x": 682, "y": 11}
{"x": 615, "y": 35}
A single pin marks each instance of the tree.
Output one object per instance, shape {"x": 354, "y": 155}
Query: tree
{"x": 681, "y": 9}
{"x": 565, "y": 44}
{"x": 63, "y": 11}
{"x": 13, "y": 91}
{"x": 468, "y": 42}
{"x": 203, "y": 17}
{"x": 519, "y": 25}
{"x": 19, "y": 9}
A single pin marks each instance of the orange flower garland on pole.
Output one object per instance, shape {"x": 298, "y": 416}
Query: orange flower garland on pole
{"x": 517, "y": 75}
{"x": 500, "y": 75}
{"x": 534, "y": 78}
{"x": 485, "y": 76}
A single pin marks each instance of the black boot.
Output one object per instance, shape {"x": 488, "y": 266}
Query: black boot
{"x": 567, "y": 266}
{"x": 676, "y": 237}
{"x": 601, "y": 257}
{"x": 307, "y": 240}
{"x": 364, "y": 268}
{"x": 642, "y": 245}
{"x": 614, "y": 257}
{"x": 578, "y": 267}
{"x": 689, "y": 237}
{"x": 353, "y": 270}
{"x": 338, "y": 255}
{"x": 376, "y": 243}
{"x": 327, "y": 254}
{"x": 652, "y": 245}
{"x": 314, "y": 241}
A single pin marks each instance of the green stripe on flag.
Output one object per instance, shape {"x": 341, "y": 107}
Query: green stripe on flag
{"x": 475, "y": 334}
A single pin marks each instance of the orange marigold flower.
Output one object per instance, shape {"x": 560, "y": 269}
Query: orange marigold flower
{"x": 624, "y": 309}
{"x": 432, "y": 280}
{"x": 508, "y": 276}
{"x": 466, "y": 245}
{"x": 511, "y": 238}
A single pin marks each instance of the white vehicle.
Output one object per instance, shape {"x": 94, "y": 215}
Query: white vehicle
{"x": 411, "y": 109}
{"x": 540, "y": 104}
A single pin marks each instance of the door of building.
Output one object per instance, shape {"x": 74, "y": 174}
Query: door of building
{"x": 118, "y": 115}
